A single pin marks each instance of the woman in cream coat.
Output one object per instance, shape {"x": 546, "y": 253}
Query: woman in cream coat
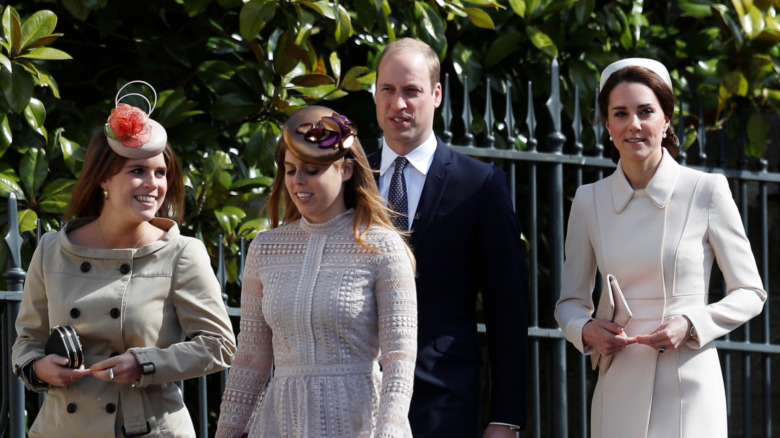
{"x": 656, "y": 226}
{"x": 142, "y": 297}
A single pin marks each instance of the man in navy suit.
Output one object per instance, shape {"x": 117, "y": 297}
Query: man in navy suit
{"x": 466, "y": 238}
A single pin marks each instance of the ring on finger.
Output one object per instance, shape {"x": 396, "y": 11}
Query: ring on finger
{"x": 111, "y": 373}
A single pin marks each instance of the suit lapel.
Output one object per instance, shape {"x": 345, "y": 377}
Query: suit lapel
{"x": 435, "y": 184}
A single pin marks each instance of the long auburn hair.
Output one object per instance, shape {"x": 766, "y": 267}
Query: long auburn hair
{"x": 662, "y": 92}
{"x": 360, "y": 192}
{"x": 101, "y": 163}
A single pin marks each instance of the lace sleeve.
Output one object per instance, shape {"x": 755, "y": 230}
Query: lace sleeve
{"x": 397, "y": 306}
{"x": 252, "y": 363}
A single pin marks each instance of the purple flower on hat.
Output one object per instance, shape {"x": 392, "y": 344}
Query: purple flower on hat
{"x": 331, "y": 132}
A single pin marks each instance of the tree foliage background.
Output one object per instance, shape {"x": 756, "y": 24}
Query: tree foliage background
{"x": 228, "y": 72}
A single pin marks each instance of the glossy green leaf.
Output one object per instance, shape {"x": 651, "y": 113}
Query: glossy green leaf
{"x": 287, "y": 55}
{"x": 6, "y": 135}
{"x": 234, "y": 107}
{"x": 229, "y": 218}
{"x": 28, "y": 220}
{"x": 335, "y": 64}
{"x": 250, "y": 228}
{"x": 351, "y": 81}
{"x": 77, "y": 8}
{"x": 542, "y": 41}
{"x": 772, "y": 30}
{"x": 480, "y": 18}
{"x": 45, "y": 80}
{"x": 252, "y": 183}
{"x": 694, "y": 9}
{"x": 343, "y": 25}
{"x": 56, "y": 204}
{"x": 58, "y": 187}
{"x": 518, "y": 6}
{"x": 30, "y": 67}
{"x": 12, "y": 29}
{"x": 322, "y": 7}
{"x": 173, "y": 108}
{"x": 254, "y": 16}
{"x": 33, "y": 170}
{"x": 196, "y": 7}
{"x": 421, "y": 10}
{"x": 18, "y": 87}
{"x": 312, "y": 80}
{"x": 739, "y": 7}
{"x": 8, "y": 185}
{"x": 41, "y": 24}
{"x": 71, "y": 152}
{"x": 690, "y": 137}
{"x": 5, "y": 62}
{"x": 45, "y": 41}
{"x": 502, "y": 47}
{"x": 736, "y": 83}
{"x": 46, "y": 53}
{"x": 753, "y": 22}
{"x": 35, "y": 113}
{"x": 486, "y": 3}
{"x": 757, "y": 130}
{"x": 336, "y": 95}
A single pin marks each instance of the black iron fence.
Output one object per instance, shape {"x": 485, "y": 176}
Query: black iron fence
{"x": 542, "y": 180}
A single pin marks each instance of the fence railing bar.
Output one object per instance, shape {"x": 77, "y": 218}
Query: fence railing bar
{"x": 490, "y": 139}
{"x": 466, "y": 115}
{"x": 446, "y": 111}
{"x": 530, "y": 120}
{"x": 577, "y": 123}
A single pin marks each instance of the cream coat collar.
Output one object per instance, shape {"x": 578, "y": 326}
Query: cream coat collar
{"x": 659, "y": 189}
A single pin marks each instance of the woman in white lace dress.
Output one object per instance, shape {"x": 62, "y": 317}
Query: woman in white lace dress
{"x": 328, "y": 300}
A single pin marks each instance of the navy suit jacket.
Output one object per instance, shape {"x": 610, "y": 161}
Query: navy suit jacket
{"x": 466, "y": 238}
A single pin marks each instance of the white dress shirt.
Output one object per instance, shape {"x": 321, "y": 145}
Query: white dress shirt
{"x": 420, "y": 160}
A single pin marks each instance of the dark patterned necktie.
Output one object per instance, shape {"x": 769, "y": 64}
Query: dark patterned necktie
{"x": 396, "y": 198}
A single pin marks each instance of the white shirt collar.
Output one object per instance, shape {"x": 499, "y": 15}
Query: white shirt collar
{"x": 420, "y": 157}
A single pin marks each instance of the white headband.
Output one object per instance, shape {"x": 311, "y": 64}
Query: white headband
{"x": 650, "y": 64}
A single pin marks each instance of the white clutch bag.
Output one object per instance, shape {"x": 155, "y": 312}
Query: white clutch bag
{"x": 612, "y": 307}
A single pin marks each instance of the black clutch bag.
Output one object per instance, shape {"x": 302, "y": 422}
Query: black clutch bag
{"x": 64, "y": 341}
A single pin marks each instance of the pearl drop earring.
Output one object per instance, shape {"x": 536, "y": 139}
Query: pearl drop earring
{"x": 105, "y": 194}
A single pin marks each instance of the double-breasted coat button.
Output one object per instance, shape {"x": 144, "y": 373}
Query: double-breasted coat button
{"x": 125, "y": 268}
{"x": 71, "y": 408}
{"x": 75, "y": 312}
{"x": 85, "y": 267}
{"x": 110, "y": 408}
{"x": 114, "y": 313}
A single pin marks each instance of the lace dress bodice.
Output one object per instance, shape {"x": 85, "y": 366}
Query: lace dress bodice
{"x": 326, "y": 313}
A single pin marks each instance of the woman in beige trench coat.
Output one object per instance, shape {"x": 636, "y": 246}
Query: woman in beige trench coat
{"x": 142, "y": 297}
{"x": 657, "y": 226}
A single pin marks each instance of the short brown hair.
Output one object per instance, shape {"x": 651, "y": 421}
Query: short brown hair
{"x": 662, "y": 92}
{"x": 415, "y": 45}
{"x": 101, "y": 163}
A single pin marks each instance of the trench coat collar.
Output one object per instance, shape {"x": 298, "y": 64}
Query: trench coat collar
{"x": 659, "y": 189}
{"x": 171, "y": 228}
